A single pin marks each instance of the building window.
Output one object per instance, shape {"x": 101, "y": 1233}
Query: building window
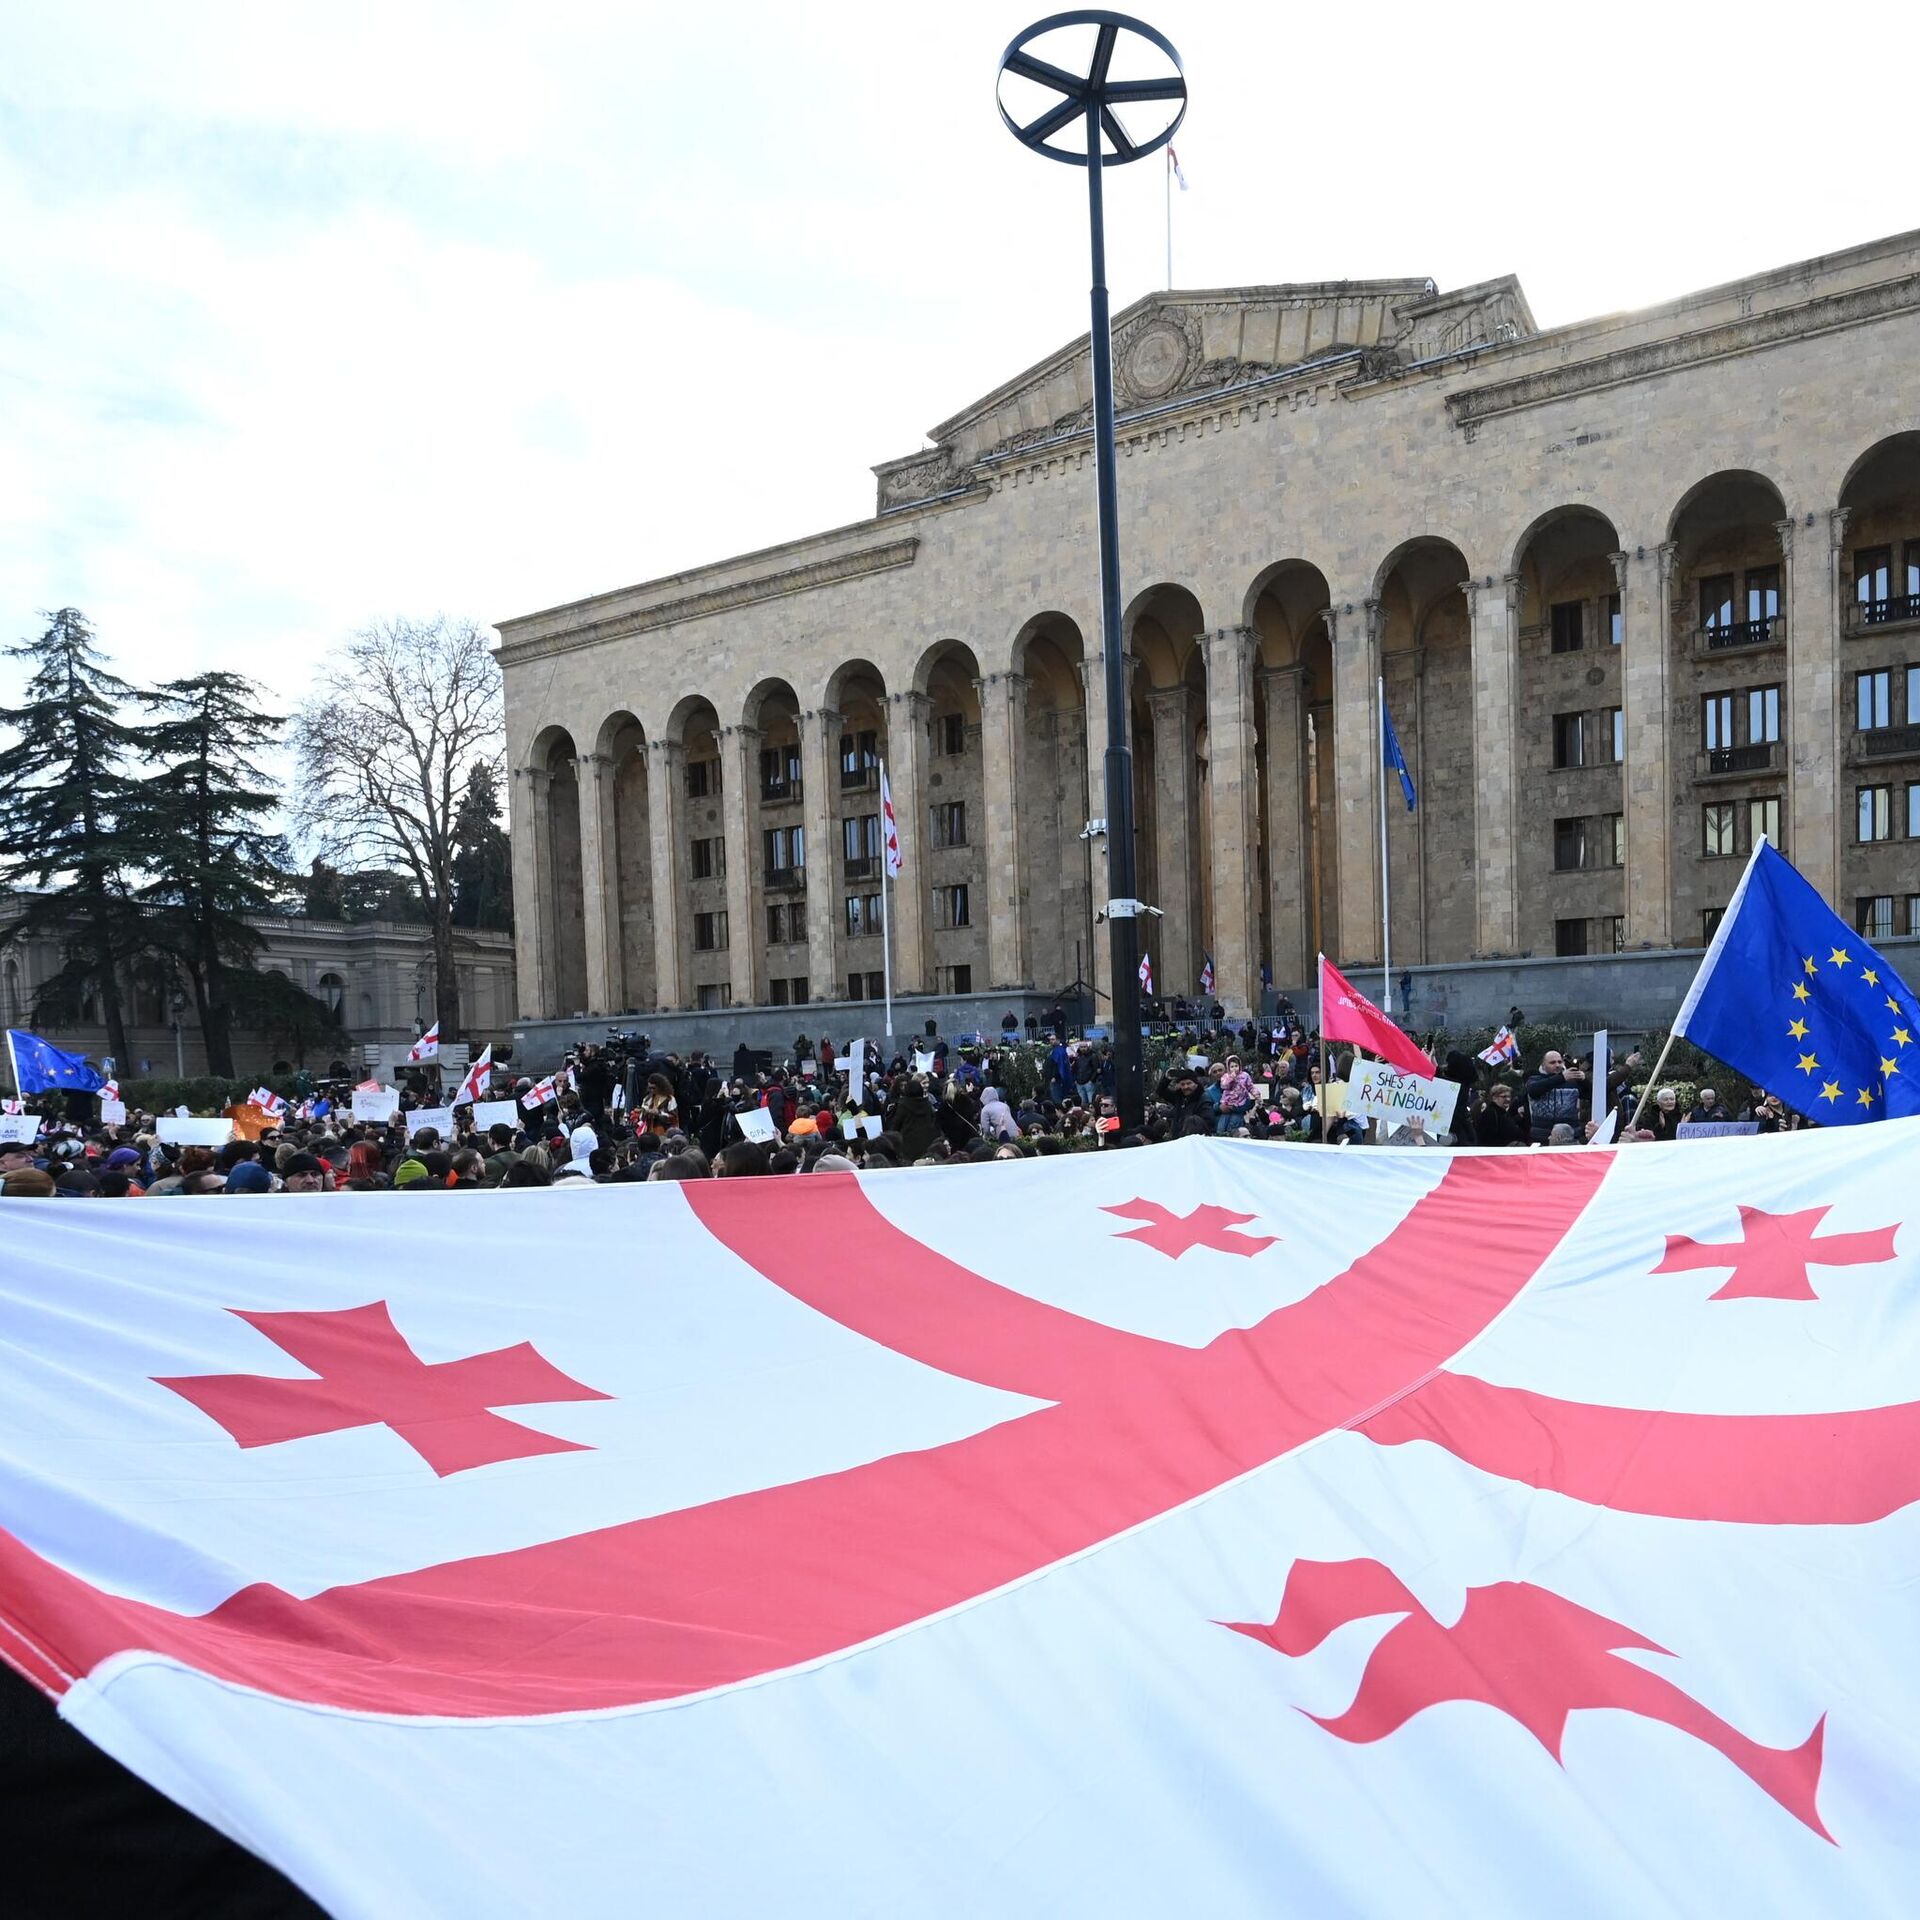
{"x": 953, "y": 733}
{"x": 1763, "y": 714}
{"x": 950, "y": 907}
{"x": 1913, "y": 810}
{"x": 1569, "y": 938}
{"x": 1614, "y": 838}
{"x": 1716, "y": 601}
{"x": 788, "y": 992}
{"x": 1913, "y": 696}
{"x": 780, "y": 928}
{"x": 1763, "y": 817}
{"x": 779, "y": 772}
{"x": 1613, "y": 732}
{"x": 1710, "y": 918}
{"x": 1717, "y": 829}
{"x": 1614, "y": 926}
{"x": 1569, "y": 739}
{"x": 866, "y": 986}
{"x": 1913, "y": 913}
{"x": 1873, "y": 699}
{"x": 1716, "y": 721}
{"x": 1873, "y": 915}
{"x": 710, "y": 932}
{"x": 1568, "y": 631}
{"x": 333, "y": 990}
{"x": 1874, "y": 817}
{"x": 1616, "y": 624}
{"x": 1872, "y": 574}
{"x": 950, "y": 824}
{"x": 859, "y": 759}
{"x": 703, "y": 778}
{"x": 709, "y": 858}
{"x": 776, "y": 993}
{"x": 956, "y": 979}
{"x": 863, "y": 916}
{"x": 860, "y": 845}
{"x": 1569, "y": 845}
{"x": 784, "y": 849}
{"x": 1763, "y": 593}
{"x": 712, "y": 999}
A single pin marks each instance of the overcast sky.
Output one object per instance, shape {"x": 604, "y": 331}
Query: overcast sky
{"x": 316, "y": 313}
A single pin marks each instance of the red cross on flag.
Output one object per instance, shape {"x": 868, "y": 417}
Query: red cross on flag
{"x": 479, "y": 1078}
{"x": 1110, "y": 1533}
{"x": 889, "y": 826}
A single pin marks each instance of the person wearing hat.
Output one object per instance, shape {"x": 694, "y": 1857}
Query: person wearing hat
{"x": 409, "y": 1173}
{"x": 303, "y": 1174}
{"x": 248, "y": 1176}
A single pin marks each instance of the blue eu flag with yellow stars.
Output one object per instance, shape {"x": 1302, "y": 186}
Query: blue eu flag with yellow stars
{"x": 1790, "y": 996}
{"x": 41, "y": 1067}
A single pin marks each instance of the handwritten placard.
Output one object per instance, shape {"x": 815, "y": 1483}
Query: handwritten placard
{"x": 440, "y": 1119}
{"x": 19, "y": 1129}
{"x": 194, "y": 1132}
{"x": 495, "y": 1113}
{"x": 378, "y": 1103}
{"x": 757, "y": 1124}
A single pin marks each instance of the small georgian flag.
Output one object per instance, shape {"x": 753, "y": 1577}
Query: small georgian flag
{"x": 539, "y": 1094}
{"x": 1146, "y": 972}
{"x": 1173, "y": 167}
{"x": 1206, "y": 975}
{"x": 1505, "y": 1047}
{"x": 474, "y": 1087}
{"x": 427, "y": 1047}
{"x": 889, "y": 826}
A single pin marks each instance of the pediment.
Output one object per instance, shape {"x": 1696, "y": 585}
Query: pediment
{"x": 1170, "y": 347}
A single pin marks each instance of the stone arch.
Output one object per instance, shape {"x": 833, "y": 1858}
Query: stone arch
{"x": 1173, "y": 844}
{"x": 1733, "y": 492}
{"x": 1543, "y": 523}
{"x": 1426, "y": 662}
{"x": 1057, "y": 877}
{"x": 1881, "y": 499}
{"x": 621, "y": 747}
{"x": 1286, "y": 607}
{"x": 776, "y": 851}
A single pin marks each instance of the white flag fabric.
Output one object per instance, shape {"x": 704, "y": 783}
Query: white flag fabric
{"x": 889, "y": 826}
{"x": 479, "y": 1078}
{"x": 427, "y": 1047}
{"x": 1224, "y": 1529}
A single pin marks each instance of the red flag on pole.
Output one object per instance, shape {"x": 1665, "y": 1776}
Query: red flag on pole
{"x": 1347, "y": 1014}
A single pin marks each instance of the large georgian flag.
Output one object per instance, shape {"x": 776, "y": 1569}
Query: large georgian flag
{"x": 1221, "y": 1529}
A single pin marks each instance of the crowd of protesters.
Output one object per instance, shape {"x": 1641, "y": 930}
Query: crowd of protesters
{"x": 615, "y": 1119}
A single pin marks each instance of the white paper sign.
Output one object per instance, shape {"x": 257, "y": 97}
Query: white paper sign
{"x": 1600, "y": 1040}
{"x": 1608, "y": 1127}
{"x": 871, "y": 1124}
{"x": 922, "y": 1062}
{"x": 440, "y": 1119}
{"x": 195, "y": 1133}
{"x": 495, "y": 1113}
{"x": 20, "y": 1128}
{"x": 1376, "y": 1091}
{"x": 381, "y": 1104}
{"x": 113, "y": 1113}
{"x": 757, "y": 1124}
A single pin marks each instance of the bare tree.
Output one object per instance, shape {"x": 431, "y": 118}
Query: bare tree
{"x": 384, "y": 758}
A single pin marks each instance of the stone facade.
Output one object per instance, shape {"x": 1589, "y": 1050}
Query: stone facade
{"x": 378, "y": 975}
{"x": 1620, "y": 581}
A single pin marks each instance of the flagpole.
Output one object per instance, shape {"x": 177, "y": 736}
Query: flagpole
{"x": 886, "y": 919}
{"x": 1169, "y": 187}
{"x": 1386, "y": 884}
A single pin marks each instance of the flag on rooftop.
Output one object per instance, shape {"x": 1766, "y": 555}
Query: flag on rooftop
{"x": 1789, "y": 995}
{"x": 1412, "y": 1533}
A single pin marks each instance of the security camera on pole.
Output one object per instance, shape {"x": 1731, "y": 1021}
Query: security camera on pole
{"x": 1080, "y": 126}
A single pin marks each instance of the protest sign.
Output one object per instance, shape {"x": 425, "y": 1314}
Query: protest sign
{"x": 440, "y": 1119}
{"x": 757, "y": 1124}
{"x": 375, "y": 1103}
{"x": 20, "y": 1128}
{"x": 113, "y": 1113}
{"x": 1377, "y": 1091}
{"x": 922, "y": 1062}
{"x": 194, "y": 1133}
{"x": 495, "y": 1113}
{"x": 1713, "y": 1129}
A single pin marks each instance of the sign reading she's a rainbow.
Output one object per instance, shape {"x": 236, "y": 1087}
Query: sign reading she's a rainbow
{"x": 1376, "y": 1091}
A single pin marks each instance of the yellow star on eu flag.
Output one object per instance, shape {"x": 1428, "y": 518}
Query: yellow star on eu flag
{"x": 1888, "y": 1068}
{"x": 1831, "y": 1091}
{"x": 1893, "y": 1005}
{"x": 1798, "y": 1028}
{"x": 1838, "y": 957}
{"x": 1866, "y": 1098}
{"x": 1808, "y": 1063}
{"x": 1811, "y": 968}
{"x": 1800, "y": 990}
{"x": 1869, "y": 976}
{"x": 1901, "y": 1036}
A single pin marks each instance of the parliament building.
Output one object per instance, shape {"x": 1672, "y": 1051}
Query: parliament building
{"x": 1639, "y": 589}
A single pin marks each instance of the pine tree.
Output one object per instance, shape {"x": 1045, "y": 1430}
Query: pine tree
{"x": 65, "y": 800}
{"x": 210, "y": 861}
{"x": 482, "y": 854}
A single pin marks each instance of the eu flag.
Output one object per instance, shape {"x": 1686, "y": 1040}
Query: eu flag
{"x": 1803, "y": 1006}
{"x": 39, "y": 1066}
{"x": 1391, "y": 755}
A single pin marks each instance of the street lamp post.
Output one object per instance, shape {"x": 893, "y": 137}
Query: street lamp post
{"x": 1090, "y": 101}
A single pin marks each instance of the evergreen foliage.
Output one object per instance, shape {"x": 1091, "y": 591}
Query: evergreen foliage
{"x": 482, "y": 855}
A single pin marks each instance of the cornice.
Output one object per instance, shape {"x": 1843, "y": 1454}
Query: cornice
{"x": 807, "y": 578}
{"x": 1752, "y": 334}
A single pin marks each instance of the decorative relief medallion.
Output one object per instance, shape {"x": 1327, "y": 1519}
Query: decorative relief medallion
{"x": 1156, "y": 359}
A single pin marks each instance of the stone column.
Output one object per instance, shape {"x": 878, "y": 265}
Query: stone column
{"x": 599, "y": 882}
{"x": 1813, "y": 559}
{"x": 1003, "y": 726}
{"x": 1289, "y": 862}
{"x": 913, "y": 891}
{"x": 1646, "y": 673}
{"x": 1353, "y": 628}
{"x": 666, "y": 785}
{"x": 739, "y": 813}
{"x": 820, "y": 778}
{"x": 1494, "y": 629}
{"x": 527, "y": 823}
{"x": 1176, "y": 966}
{"x": 1235, "y": 788}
